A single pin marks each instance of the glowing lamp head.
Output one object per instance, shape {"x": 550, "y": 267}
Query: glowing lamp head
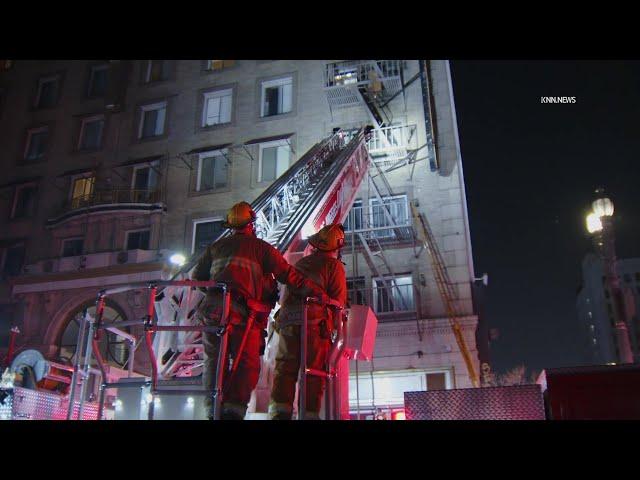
{"x": 594, "y": 224}
{"x": 399, "y": 415}
{"x": 603, "y": 207}
{"x": 177, "y": 259}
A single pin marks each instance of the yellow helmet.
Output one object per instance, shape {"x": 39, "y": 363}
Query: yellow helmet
{"x": 329, "y": 238}
{"x": 240, "y": 215}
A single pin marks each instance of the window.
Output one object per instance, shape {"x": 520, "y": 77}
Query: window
{"x": 606, "y": 294}
{"x": 98, "y": 81}
{"x": 72, "y": 247}
{"x": 156, "y": 71}
{"x": 13, "y": 260}
{"x": 395, "y": 296}
{"x": 212, "y": 171}
{"x": 388, "y": 388}
{"x": 24, "y": 204}
{"x": 91, "y": 133}
{"x": 436, "y": 381}
{"x": 273, "y": 160}
{"x": 637, "y": 276}
{"x": 47, "y": 92}
{"x": 138, "y": 240}
{"x": 354, "y": 218}
{"x": 214, "y": 65}
{"x": 205, "y": 232}
{"x": 81, "y": 190}
{"x": 277, "y": 97}
{"x": 145, "y": 182}
{"x": 152, "y": 120}
{"x": 217, "y": 107}
{"x": 398, "y": 208}
{"x": 355, "y": 290}
{"x": 36, "y": 143}
{"x": 627, "y": 278}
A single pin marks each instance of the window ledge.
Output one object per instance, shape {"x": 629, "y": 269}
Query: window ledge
{"x": 194, "y": 193}
{"x": 293, "y": 113}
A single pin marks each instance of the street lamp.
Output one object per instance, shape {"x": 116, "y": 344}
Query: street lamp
{"x": 600, "y": 226}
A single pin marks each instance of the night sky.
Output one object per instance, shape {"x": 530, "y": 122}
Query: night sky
{"x": 530, "y": 170}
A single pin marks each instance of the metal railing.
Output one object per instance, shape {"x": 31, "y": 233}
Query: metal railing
{"x": 358, "y": 71}
{"x": 273, "y": 213}
{"x": 114, "y": 195}
{"x": 401, "y": 300}
{"x": 372, "y": 223}
{"x": 396, "y": 137}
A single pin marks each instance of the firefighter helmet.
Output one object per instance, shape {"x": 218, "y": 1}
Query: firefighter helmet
{"x": 329, "y": 238}
{"x": 240, "y": 215}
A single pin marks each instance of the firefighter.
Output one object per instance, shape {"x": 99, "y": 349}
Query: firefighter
{"x": 249, "y": 266}
{"x": 325, "y": 268}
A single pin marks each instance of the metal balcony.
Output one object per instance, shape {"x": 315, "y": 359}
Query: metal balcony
{"x": 342, "y": 80}
{"x": 111, "y": 199}
{"x": 114, "y": 196}
{"x": 396, "y": 302}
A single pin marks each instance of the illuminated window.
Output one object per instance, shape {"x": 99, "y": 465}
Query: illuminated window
{"x": 91, "y": 133}
{"x": 47, "y": 92}
{"x": 273, "y": 160}
{"x": 276, "y": 97}
{"x": 212, "y": 171}
{"x": 218, "y": 64}
{"x": 393, "y": 294}
{"x": 217, "y": 107}
{"x": 156, "y": 71}
{"x": 98, "y": 81}
{"x": 24, "y": 204}
{"x": 152, "y": 120}
{"x": 72, "y": 247}
{"x": 82, "y": 190}
{"x": 138, "y": 240}
{"x": 36, "y": 143}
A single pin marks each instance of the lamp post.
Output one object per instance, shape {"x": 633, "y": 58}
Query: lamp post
{"x": 600, "y": 226}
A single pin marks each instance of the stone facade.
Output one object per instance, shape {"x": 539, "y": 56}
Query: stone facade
{"x": 421, "y": 341}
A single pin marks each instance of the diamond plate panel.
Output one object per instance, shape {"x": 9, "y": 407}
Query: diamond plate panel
{"x": 521, "y": 402}
{"x": 25, "y": 404}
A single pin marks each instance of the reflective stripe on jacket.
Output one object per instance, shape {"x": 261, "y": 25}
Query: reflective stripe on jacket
{"x": 242, "y": 261}
{"x": 326, "y": 271}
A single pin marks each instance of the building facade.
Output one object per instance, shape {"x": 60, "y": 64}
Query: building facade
{"x": 595, "y": 310}
{"x": 111, "y": 167}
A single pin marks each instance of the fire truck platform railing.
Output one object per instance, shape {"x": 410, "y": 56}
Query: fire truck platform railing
{"x": 91, "y": 330}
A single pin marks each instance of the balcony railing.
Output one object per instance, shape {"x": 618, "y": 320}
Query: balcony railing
{"x": 393, "y": 302}
{"x": 371, "y": 222}
{"x": 114, "y": 196}
{"x": 359, "y": 71}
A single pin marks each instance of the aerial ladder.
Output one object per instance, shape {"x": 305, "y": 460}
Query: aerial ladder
{"x": 447, "y": 292}
{"x": 318, "y": 189}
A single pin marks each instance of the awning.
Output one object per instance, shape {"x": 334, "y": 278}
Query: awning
{"x": 21, "y": 181}
{"x": 140, "y": 161}
{"x": 78, "y": 171}
{"x": 269, "y": 139}
{"x": 208, "y": 148}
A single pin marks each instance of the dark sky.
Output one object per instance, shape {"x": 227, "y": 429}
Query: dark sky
{"x": 530, "y": 170}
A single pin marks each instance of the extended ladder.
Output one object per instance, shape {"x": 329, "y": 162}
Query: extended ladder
{"x": 319, "y": 188}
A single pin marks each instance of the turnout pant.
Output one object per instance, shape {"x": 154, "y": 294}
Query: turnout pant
{"x": 287, "y": 370}
{"x": 237, "y": 392}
